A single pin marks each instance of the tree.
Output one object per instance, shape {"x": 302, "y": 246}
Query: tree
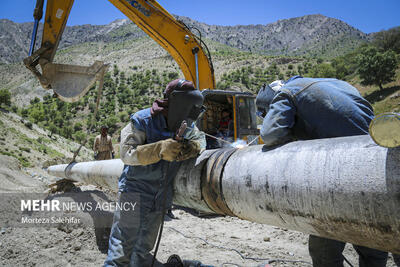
{"x": 67, "y": 131}
{"x": 123, "y": 116}
{"x": 24, "y": 113}
{"x": 323, "y": 70}
{"x": 35, "y": 100}
{"x": 77, "y": 126}
{"x": 115, "y": 70}
{"x": 28, "y": 124}
{"x": 388, "y": 40}
{"x": 173, "y": 75}
{"x": 79, "y": 136}
{"x": 376, "y": 68}
{"x": 37, "y": 114}
{"x": 111, "y": 122}
{"x": 52, "y": 128}
{"x": 341, "y": 68}
{"x": 5, "y": 97}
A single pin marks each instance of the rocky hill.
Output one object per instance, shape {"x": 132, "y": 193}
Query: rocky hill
{"x": 243, "y": 56}
{"x": 313, "y": 35}
{"x": 15, "y": 37}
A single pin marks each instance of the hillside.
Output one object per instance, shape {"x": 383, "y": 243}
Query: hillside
{"x": 140, "y": 68}
{"x": 312, "y": 35}
{"x": 16, "y": 37}
{"x": 33, "y": 147}
{"x": 132, "y": 55}
{"x": 123, "y": 43}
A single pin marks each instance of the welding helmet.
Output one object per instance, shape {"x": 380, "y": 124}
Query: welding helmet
{"x": 265, "y": 96}
{"x": 184, "y": 103}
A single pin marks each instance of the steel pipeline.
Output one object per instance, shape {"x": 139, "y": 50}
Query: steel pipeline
{"x": 345, "y": 188}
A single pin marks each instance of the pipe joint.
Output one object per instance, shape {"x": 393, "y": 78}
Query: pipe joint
{"x": 211, "y": 181}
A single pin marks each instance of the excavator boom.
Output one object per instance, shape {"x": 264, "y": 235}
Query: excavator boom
{"x": 70, "y": 82}
{"x": 173, "y": 36}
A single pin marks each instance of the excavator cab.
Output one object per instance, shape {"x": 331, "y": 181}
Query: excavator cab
{"x": 241, "y": 129}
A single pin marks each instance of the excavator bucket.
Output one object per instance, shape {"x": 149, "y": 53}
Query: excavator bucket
{"x": 70, "y": 82}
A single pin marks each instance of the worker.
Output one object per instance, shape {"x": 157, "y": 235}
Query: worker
{"x": 224, "y": 132}
{"x": 313, "y": 108}
{"x": 225, "y": 124}
{"x": 102, "y": 147}
{"x": 152, "y": 157}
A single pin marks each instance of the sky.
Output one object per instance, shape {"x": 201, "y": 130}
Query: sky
{"x": 365, "y": 15}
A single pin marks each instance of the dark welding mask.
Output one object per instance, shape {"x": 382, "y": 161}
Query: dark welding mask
{"x": 265, "y": 96}
{"x": 184, "y": 105}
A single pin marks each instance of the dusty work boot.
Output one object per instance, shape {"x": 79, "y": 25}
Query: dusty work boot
{"x": 396, "y": 258}
{"x": 174, "y": 261}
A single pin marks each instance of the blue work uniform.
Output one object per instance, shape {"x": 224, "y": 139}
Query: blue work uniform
{"x": 309, "y": 108}
{"x": 133, "y": 235}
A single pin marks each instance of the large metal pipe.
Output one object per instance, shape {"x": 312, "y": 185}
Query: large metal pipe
{"x": 103, "y": 173}
{"x": 344, "y": 188}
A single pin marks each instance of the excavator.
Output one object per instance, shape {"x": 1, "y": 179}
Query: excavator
{"x": 70, "y": 82}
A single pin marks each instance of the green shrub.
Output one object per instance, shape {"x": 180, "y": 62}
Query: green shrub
{"x": 26, "y": 149}
{"x": 28, "y": 124}
{"x": 5, "y": 97}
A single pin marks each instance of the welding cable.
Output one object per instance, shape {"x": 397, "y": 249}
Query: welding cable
{"x": 237, "y": 251}
{"x": 347, "y": 261}
{"x": 230, "y": 263}
{"x": 163, "y": 211}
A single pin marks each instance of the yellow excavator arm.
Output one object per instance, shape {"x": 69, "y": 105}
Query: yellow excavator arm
{"x": 70, "y": 82}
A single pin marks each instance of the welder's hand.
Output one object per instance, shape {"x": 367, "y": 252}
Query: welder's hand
{"x": 168, "y": 150}
{"x": 191, "y": 149}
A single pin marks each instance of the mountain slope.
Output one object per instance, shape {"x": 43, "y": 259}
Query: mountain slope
{"x": 15, "y": 37}
{"x": 314, "y": 35}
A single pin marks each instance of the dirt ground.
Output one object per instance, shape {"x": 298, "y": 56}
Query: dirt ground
{"x": 218, "y": 241}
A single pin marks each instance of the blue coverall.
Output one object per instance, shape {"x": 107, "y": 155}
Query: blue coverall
{"x": 132, "y": 238}
{"x": 309, "y": 108}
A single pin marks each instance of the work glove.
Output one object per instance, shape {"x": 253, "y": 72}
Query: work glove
{"x": 191, "y": 149}
{"x": 168, "y": 150}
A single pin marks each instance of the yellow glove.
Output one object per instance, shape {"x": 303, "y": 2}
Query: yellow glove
{"x": 190, "y": 150}
{"x": 168, "y": 150}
